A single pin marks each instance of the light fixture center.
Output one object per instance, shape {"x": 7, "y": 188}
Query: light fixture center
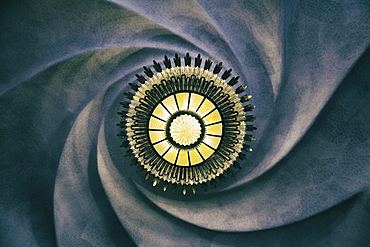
{"x": 185, "y": 130}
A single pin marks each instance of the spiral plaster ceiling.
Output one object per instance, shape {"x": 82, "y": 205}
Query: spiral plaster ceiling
{"x": 65, "y": 65}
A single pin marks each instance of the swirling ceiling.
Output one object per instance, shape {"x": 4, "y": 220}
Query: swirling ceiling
{"x": 64, "y": 180}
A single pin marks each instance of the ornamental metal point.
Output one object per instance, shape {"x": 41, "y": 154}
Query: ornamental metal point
{"x": 186, "y": 125}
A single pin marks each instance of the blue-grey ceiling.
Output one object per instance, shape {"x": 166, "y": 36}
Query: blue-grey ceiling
{"x": 64, "y": 180}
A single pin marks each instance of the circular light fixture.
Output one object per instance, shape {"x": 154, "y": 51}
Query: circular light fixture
{"x": 186, "y": 125}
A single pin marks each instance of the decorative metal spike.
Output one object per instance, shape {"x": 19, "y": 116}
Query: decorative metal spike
{"x": 147, "y": 175}
{"x": 134, "y": 86}
{"x": 123, "y": 133}
{"x": 198, "y": 61}
{"x": 167, "y": 62}
{"x": 148, "y": 72}
{"x": 249, "y": 138}
{"x": 237, "y": 165}
{"x": 242, "y": 156}
{"x": 134, "y": 162}
{"x": 230, "y": 172}
{"x": 226, "y": 74}
{"x": 249, "y": 107}
{"x": 187, "y": 59}
{"x": 125, "y": 144}
{"x": 157, "y": 66}
{"x": 240, "y": 89}
{"x": 140, "y": 168}
{"x": 245, "y": 98}
{"x": 121, "y": 124}
{"x": 129, "y": 153}
{"x": 194, "y": 189}
{"x": 140, "y": 78}
{"x": 125, "y": 104}
{"x": 184, "y": 190}
{"x": 156, "y": 181}
{"x": 208, "y": 63}
{"x": 165, "y": 185}
{"x": 250, "y": 118}
{"x": 233, "y": 81}
{"x": 177, "y": 60}
{"x": 122, "y": 113}
{"x": 217, "y": 68}
{"x": 129, "y": 95}
{"x": 250, "y": 127}
{"x": 247, "y": 148}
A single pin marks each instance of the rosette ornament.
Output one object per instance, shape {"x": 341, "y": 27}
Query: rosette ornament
{"x": 186, "y": 125}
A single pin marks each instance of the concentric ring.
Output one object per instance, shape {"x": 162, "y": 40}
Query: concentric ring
{"x": 193, "y": 116}
{"x": 186, "y": 125}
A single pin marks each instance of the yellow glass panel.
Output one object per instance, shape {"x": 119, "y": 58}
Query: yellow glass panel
{"x": 171, "y": 155}
{"x": 215, "y": 129}
{"x": 161, "y": 147}
{"x": 195, "y": 100}
{"x": 206, "y": 107}
{"x": 212, "y": 141}
{"x": 161, "y": 112}
{"x": 170, "y": 103}
{"x": 182, "y": 100}
{"x": 183, "y": 159}
{"x": 156, "y": 123}
{"x": 195, "y": 158}
{"x": 205, "y": 151}
{"x": 156, "y": 136}
{"x": 213, "y": 117}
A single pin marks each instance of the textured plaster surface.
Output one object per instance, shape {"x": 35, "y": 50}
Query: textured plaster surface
{"x": 63, "y": 68}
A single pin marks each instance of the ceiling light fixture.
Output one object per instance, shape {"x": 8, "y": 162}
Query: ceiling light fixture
{"x": 185, "y": 125}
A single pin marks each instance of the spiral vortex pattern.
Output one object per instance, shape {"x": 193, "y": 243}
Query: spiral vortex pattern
{"x": 65, "y": 65}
